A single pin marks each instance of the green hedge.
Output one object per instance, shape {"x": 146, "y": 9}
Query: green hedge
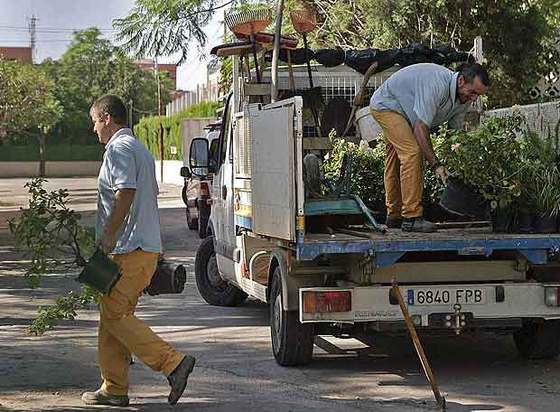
{"x": 147, "y": 129}
{"x": 30, "y": 153}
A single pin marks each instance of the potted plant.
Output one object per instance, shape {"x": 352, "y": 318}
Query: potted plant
{"x": 540, "y": 177}
{"x": 488, "y": 159}
{"x": 546, "y": 188}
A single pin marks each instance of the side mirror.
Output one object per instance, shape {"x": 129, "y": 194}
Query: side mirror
{"x": 198, "y": 157}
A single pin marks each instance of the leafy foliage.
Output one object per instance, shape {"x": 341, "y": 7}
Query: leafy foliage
{"x": 503, "y": 25}
{"x": 156, "y": 27}
{"x": 148, "y": 129}
{"x": 161, "y": 28}
{"x": 91, "y": 67}
{"x": 367, "y": 170}
{"x": 509, "y": 165}
{"x": 488, "y": 158}
{"x": 48, "y": 231}
{"x": 28, "y": 101}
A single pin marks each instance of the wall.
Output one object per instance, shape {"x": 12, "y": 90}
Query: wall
{"x": 171, "y": 172}
{"x": 52, "y": 169}
{"x": 544, "y": 118}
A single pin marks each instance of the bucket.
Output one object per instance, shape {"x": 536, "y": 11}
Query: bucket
{"x": 462, "y": 200}
{"x": 168, "y": 278}
{"x": 368, "y": 127}
{"x": 100, "y": 272}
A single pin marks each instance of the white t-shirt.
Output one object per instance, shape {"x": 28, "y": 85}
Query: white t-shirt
{"x": 127, "y": 164}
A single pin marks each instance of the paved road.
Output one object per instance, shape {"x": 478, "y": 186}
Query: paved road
{"x": 236, "y": 370}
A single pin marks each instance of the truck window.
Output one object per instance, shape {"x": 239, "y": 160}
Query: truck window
{"x": 225, "y": 131}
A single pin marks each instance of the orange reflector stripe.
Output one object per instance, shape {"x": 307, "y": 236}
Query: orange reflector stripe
{"x": 327, "y": 301}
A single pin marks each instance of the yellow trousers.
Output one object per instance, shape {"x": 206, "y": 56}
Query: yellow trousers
{"x": 404, "y": 166}
{"x": 121, "y": 333}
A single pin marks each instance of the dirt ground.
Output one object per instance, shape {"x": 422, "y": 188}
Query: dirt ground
{"x": 236, "y": 370}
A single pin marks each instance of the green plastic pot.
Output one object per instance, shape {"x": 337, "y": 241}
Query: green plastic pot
{"x": 100, "y": 272}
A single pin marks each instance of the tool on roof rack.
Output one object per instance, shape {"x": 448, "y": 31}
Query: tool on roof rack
{"x": 248, "y": 24}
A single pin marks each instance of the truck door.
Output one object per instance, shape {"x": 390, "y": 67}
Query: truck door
{"x": 222, "y": 198}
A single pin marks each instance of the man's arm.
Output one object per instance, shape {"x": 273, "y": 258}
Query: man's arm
{"x": 422, "y": 135}
{"x": 119, "y": 211}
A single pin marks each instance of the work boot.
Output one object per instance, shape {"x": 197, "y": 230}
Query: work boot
{"x": 178, "y": 378}
{"x": 100, "y": 397}
{"x": 393, "y": 222}
{"x": 418, "y": 224}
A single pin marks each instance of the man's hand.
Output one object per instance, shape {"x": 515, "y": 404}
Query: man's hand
{"x": 442, "y": 173}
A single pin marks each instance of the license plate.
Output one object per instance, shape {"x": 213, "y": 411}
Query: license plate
{"x": 433, "y": 296}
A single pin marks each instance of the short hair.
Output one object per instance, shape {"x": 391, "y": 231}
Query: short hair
{"x": 471, "y": 70}
{"x": 113, "y": 105}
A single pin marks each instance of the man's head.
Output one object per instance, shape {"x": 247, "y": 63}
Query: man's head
{"x": 473, "y": 81}
{"x": 108, "y": 115}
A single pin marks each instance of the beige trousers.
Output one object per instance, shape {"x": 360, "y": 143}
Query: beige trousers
{"x": 121, "y": 333}
{"x": 404, "y": 163}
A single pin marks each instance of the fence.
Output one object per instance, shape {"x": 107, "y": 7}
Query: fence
{"x": 543, "y": 118}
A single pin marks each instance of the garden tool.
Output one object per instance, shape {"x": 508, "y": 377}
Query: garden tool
{"x": 305, "y": 21}
{"x": 358, "y": 100}
{"x": 247, "y": 24}
{"x": 396, "y": 293}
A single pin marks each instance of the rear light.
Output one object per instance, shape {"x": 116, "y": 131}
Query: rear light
{"x": 552, "y": 296}
{"x": 204, "y": 189}
{"x": 327, "y": 301}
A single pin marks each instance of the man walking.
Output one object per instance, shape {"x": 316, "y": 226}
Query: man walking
{"x": 128, "y": 230}
{"x": 407, "y": 106}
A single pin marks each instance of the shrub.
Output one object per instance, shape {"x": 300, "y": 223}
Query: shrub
{"x": 367, "y": 170}
{"x": 147, "y": 129}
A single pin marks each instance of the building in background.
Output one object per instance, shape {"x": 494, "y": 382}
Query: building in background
{"x": 149, "y": 65}
{"x": 19, "y": 54}
{"x": 209, "y": 91}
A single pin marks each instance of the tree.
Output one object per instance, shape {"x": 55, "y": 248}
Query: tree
{"x": 28, "y": 101}
{"x": 91, "y": 67}
{"x": 504, "y": 25}
{"x": 162, "y": 28}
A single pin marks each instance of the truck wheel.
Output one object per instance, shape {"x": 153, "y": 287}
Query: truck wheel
{"x": 538, "y": 340}
{"x": 292, "y": 341}
{"x": 213, "y": 289}
{"x": 191, "y": 223}
{"x": 202, "y": 227}
{"x": 184, "y": 194}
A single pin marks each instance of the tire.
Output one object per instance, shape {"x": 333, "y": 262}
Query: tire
{"x": 538, "y": 340}
{"x": 202, "y": 227}
{"x": 213, "y": 289}
{"x": 191, "y": 223}
{"x": 292, "y": 341}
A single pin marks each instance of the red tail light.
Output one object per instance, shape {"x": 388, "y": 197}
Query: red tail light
{"x": 204, "y": 189}
{"x": 327, "y": 301}
{"x": 552, "y": 296}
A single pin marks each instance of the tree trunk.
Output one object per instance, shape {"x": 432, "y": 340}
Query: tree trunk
{"x": 42, "y": 160}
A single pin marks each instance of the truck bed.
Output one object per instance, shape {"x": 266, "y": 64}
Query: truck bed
{"x": 389, "y": 247}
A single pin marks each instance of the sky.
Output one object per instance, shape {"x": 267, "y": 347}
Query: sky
{"x": 57, "y": 19}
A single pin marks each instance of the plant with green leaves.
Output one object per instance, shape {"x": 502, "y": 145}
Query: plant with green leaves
{"x": 540, "y": 194}
{"x": 148, "y": 128}
{"x": 51, "y": 234}
{"x": 28, "y": 102}
{"x": 489, "y": 158}
{"x": 367, "y": 170}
